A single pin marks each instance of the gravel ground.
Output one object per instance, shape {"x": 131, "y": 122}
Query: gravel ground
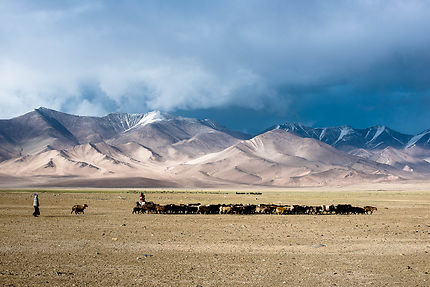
{"x": 109, "y": 246}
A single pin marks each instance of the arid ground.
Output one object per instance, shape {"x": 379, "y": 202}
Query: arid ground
{"x": 109, "y": 246}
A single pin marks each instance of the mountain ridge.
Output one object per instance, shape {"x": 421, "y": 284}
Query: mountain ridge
{"x": 50, "y": 147}
{"x": 347, "y": 138}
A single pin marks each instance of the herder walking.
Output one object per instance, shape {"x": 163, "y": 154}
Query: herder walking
{"x": 36, "y": 212}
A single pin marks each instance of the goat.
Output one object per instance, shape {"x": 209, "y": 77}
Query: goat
{"x": 357, "y": 210}
{"x": 137, "y": 209}
{"x": 370, "y": 209}
{"x": 281, "y": 210}
{"x": 78, "y": 208}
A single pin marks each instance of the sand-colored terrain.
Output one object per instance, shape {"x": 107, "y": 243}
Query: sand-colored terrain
{"x": 273, "y": 159}
{"x": 109, "y": 246}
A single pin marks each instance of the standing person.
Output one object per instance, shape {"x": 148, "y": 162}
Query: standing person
{"x": 36, "y": 205}
{"x": 142, "y": 198}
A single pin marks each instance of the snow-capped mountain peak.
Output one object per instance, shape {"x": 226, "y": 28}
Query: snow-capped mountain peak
{"x": 126, "y": 121}
{"x": 131, "y": 121}
{"x": 347, "y": 138}
{"x": 151, "y": 117}
{"x": 146, "y": 119}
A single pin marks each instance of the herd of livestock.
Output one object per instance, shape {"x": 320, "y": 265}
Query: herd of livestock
{"x": 151, "y": 207}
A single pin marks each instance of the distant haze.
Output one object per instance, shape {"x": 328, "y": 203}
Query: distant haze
{"x": 246, "y": 64}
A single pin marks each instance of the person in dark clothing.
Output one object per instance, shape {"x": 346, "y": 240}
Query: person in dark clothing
{"x": 36, "y": 212}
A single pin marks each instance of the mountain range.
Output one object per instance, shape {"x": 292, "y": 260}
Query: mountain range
{"x": 347, "y": 138}
{"x": 50, "y": 148}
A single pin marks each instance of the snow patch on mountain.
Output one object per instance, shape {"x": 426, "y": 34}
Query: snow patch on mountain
{"x": 343, "y": 132}
{"x": 416, "y": 138}
{"x": 148, "y": 118}
{"x": 322, "y": 133}
{"x": 126, "y": 121}
{"x": 379, "y": 131}
{"x": 210, "y": 123}
{"x": 151, "y": 117}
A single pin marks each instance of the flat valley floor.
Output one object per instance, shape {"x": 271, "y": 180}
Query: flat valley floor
{"x": 110, "y": 246}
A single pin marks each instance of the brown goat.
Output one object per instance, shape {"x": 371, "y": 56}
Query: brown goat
{"x": 79, "y": 208}
{"x": 370, "y": 209}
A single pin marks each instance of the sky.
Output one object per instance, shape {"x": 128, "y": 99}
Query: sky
{"x": 246, "y": 64}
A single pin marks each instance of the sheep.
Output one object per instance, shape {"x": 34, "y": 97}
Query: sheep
{"x": 78, "y": 208}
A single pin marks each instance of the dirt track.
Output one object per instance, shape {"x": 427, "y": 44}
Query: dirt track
{"x": 107, "y": 245}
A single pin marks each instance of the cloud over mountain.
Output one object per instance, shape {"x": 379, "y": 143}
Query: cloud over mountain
{"x": 302, "y": 60}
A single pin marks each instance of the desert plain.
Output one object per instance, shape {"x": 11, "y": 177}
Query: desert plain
{"x": 110, "y": 246}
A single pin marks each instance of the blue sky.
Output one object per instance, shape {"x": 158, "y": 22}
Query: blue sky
{"x": 246, "y": 64}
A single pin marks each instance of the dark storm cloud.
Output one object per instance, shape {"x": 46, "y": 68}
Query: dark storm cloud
{"x": 317, "y": 62}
